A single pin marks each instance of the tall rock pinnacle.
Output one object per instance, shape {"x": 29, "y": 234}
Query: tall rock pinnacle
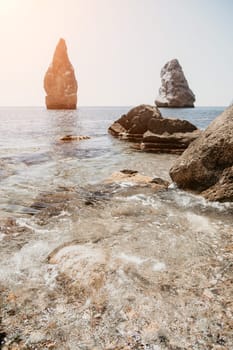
{"x": 175, "y": 91}
{"x": 60, "y": 83}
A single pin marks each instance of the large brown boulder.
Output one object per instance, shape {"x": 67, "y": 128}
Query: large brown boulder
{"x": 174, "y": 91}
{"x": 135, "y": 123}
{"x": 223, "y": 189}
{"x": 207, "y": 165}
{"x": 60, "y": 83}
{"x": 145, "y": 124}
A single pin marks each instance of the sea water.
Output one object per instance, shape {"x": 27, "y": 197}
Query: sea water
{"x": 109, "y": 265}
{"x": 33, "y": 158}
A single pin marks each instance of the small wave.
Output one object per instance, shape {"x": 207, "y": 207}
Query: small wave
{"x": 132, "y": 258}
{"x": 189, "y": 200}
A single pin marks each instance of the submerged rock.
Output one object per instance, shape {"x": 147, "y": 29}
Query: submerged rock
{"x": 9, "y": 226}
{"x": 145, "y": 124}
{"x": 132, "y": 176}
{"x": 175, "y": 91}
{"x": 69, "y": 138}
{"x": 60, "y": 83}
{"x": 207, "y": 165}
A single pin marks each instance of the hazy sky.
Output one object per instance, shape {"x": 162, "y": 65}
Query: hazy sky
{"x": 117, "y": 48}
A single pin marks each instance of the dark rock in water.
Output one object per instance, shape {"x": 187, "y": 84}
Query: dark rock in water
{"x": 159, "y": 181}
{"x": 175, "y": 91}
{"x": 170, "y": 126}
{"x": 131, "y": 126}
{"x": 3, "y": 336}
{"x": 10, "y": 227}
{"x": 146, "y": 125}
{"x": 60, "y": 83}
{"x": 129, "y": 172}
{"x": 207, "y": 164}
{"x": 69, "y": 138}
{"x": 174, "y": 143}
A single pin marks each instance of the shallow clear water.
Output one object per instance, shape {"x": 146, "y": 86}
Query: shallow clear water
{"x": 33, "y": 159}
{"x": 106, "y": 262}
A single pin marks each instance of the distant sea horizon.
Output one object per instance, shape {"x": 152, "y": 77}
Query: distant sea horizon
{"x": 115, "y": 106}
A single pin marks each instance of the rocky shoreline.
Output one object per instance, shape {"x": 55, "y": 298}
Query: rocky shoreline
{"x": 205, "y": 167}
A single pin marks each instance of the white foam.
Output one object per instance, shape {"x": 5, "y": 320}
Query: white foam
{"x": 125, "y": 184}
{"x": 172, "y": 186}
{"x": 137, "y": 197}
{"x": 189, "y": 200}
{"x": 145, "y": 200}
{"x": 64, "y": 213}
{"x": 132, "y": 258}
{"x": 25, "y": 222}
{"x": 159, "y": 266}
{"x": 22, "y": 222}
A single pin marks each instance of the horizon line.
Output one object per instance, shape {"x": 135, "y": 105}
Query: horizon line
{"x": 108, "y": 106}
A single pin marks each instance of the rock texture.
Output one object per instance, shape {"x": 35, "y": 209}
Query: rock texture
{"x": 135, "y": 123}
{"x": 175, "y": 91}
{"x": 60, "y": 83}
{"x": 167, "y": 142}
{"x": 144, "y": 124}
{"x": 207, "y": 165}
{"x": 134, "y": 177}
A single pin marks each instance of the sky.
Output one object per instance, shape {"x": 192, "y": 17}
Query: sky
{"x": 117, "y": 48}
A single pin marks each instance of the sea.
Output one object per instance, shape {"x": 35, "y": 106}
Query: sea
{"x": 160, "y": 255}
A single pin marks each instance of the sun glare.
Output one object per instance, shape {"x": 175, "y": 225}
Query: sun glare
{"x": 8, "y": 5}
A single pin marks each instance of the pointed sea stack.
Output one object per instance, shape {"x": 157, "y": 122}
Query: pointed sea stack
{"x": 60, "y": 83}
{"x": 175, "y": 91}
